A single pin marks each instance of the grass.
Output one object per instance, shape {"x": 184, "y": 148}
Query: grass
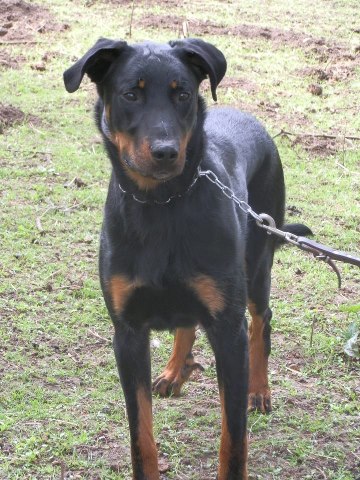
{"x": 61, "y": 407}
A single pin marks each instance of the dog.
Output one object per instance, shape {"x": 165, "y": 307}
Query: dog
{"x": 174, "y": 251}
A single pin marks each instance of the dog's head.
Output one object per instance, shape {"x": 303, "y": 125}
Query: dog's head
{"x": 150, "y": 97}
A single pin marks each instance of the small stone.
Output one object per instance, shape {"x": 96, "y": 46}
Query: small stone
{"x": 40, "y": 67}
{"x": 315, "y": 89}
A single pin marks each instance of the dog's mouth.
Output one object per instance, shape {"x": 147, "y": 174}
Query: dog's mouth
{"x": 151, "y": 172}
{"x": 163, "y": 175}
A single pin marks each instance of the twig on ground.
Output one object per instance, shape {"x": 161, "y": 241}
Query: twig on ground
{"x": 64, "y": 209}
{"x": 131, "y": 17}
{"x": 18, "y": 42}
{"x": 312, "y": 331}
{"x": 39, "y": 226}
{"x": 105, "y": 340}
{"x": 322, "y": 472}
{"x": 316, "y": 135}
{"x": 294, "y": 371}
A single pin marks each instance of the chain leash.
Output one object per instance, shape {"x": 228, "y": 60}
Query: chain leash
{"x": 263, "y": 220}
{"x": 266, "y": 222}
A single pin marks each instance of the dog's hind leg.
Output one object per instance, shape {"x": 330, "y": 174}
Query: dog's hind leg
{"x": 180, "y": 365}
{"x": 266, "y": 194}
{"x": 259, "y": 263}
{"x": 259, "y": 351}
{"x": 132, "y": 354}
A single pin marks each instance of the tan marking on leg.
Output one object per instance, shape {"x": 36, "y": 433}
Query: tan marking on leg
{"x": 180, "y": 365}
{"x": 227, "y": 450}
{"x": 225, "y": 443}
{"x": 120, "y": 289}
{"x": 146, "y": 442}
{"x": 259, "y": 392}
{"x": 208, "y": 292}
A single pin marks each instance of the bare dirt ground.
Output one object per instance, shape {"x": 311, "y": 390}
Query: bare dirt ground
{"x": 19, "y": 22}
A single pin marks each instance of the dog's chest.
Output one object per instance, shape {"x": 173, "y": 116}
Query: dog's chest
{"x": 175, "y": 304}
{"x": 174, "y": 272}
{"x": 180, "y": 247}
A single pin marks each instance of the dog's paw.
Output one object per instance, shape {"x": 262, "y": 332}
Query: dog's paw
{"x": 169, "y": 383}
{"x": 260, "y": 402}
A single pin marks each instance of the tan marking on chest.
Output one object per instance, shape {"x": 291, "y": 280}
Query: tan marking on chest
{"x": 120, "y": 288}
{"x": 208, "y": 292}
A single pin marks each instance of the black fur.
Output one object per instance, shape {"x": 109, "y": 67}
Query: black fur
{"x": 148, "y": 110}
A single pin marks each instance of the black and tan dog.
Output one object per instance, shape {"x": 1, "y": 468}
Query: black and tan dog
{"x": 175, "y": 252}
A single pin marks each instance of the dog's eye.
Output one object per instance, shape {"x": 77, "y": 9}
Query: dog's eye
{"x": 183, "y": 96}
{"x": 130, "y": 96}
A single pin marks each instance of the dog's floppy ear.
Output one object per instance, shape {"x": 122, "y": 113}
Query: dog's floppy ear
{"x": 207, "y": 58}
{"x": 95, "y": 63}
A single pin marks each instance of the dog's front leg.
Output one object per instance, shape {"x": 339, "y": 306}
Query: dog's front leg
{"x": 228, "y": 337}
{"x": 132, "y": 354}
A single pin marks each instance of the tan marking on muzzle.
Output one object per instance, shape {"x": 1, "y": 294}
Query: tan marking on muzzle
{"x": 125, "y": 145}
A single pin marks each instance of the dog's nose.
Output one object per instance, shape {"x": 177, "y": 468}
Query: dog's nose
{"x": 164, "y": 152}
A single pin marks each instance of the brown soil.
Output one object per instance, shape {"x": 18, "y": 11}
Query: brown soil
{"x": 233, "y": 82}
{"x": 20, "y": 20}
{"x": 11, "y": 116}
{"x": 6, "y": 61}
{"x": 200, "y": 28}
{"x": 319, "y": 146}
{"x": 323, "y": 50}
{"x": 340, "y": 69}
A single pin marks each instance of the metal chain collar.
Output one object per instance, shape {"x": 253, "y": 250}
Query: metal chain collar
{"x": 162, "y": 202}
